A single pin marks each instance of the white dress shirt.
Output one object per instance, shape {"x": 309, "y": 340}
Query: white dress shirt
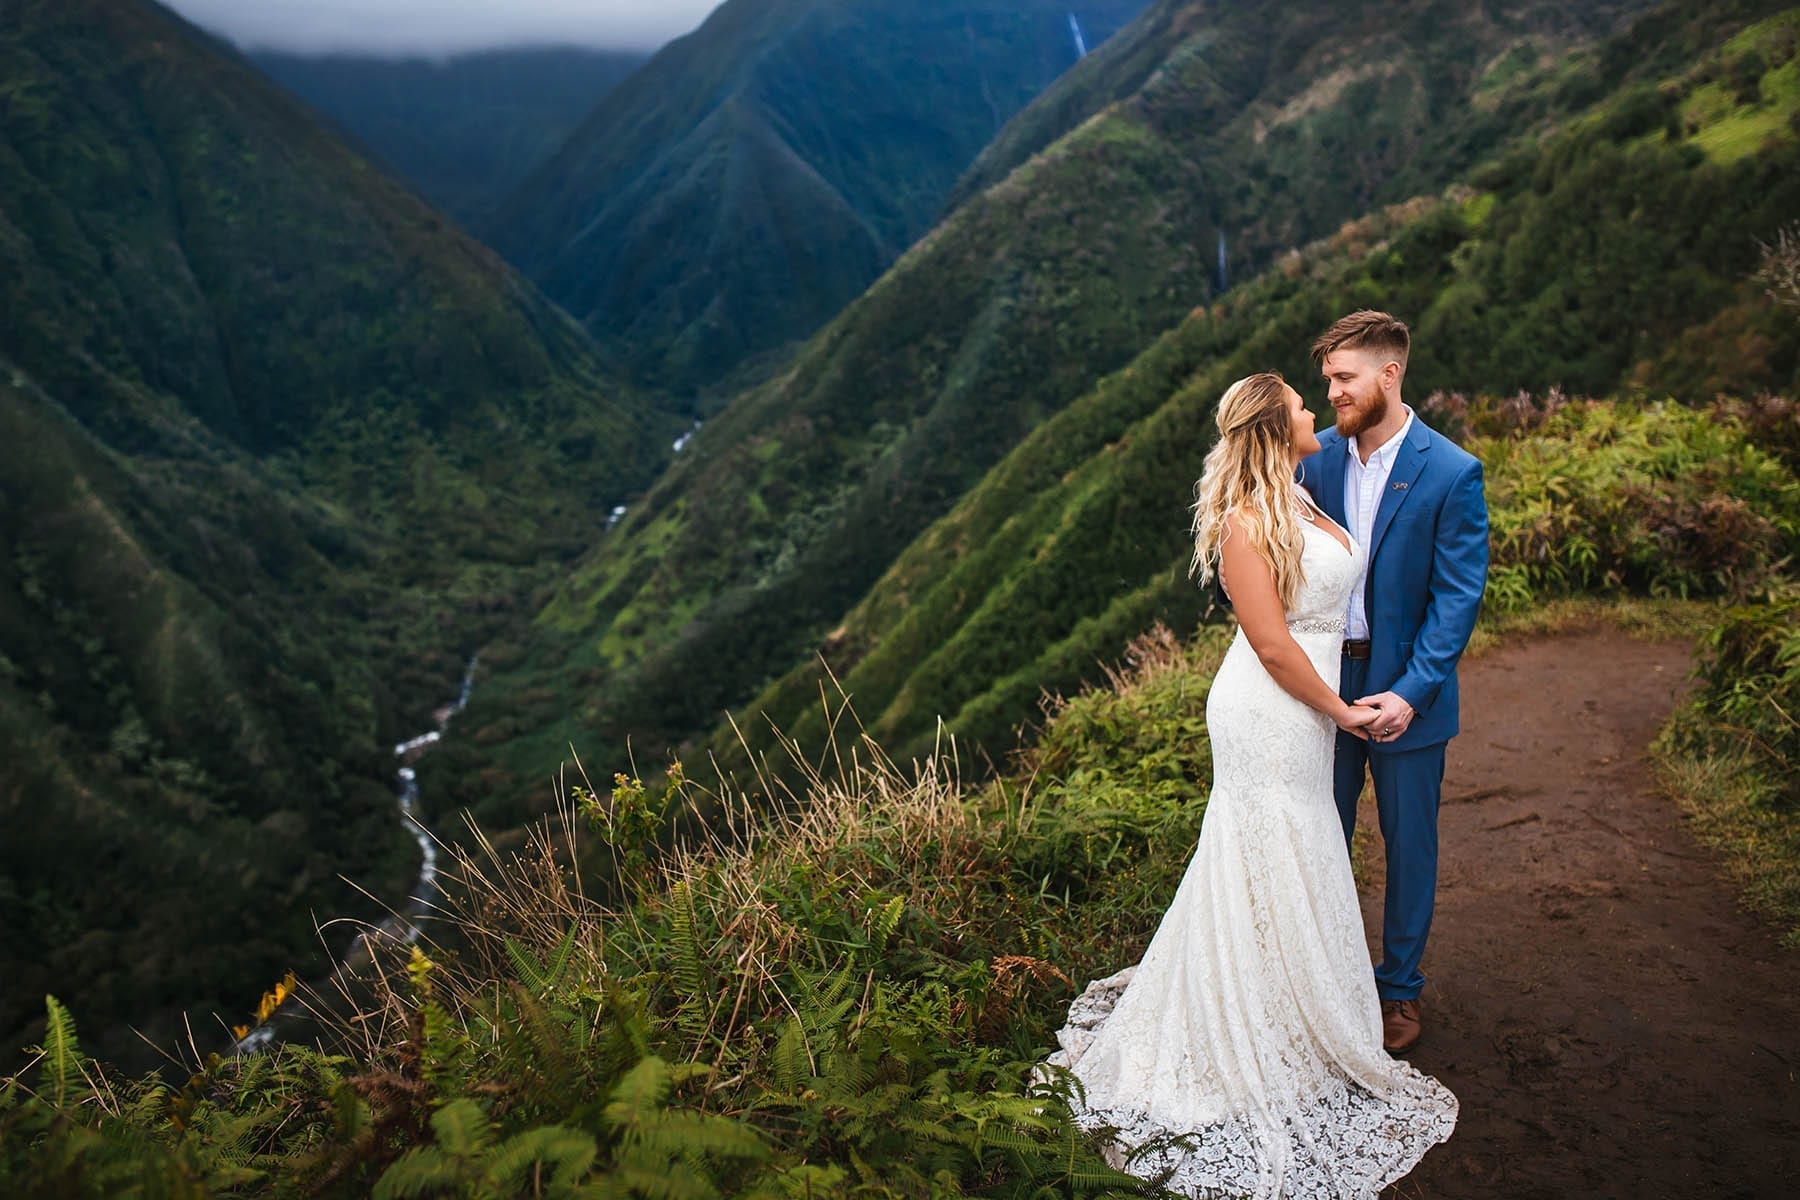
{"x": 1364, "y": 485}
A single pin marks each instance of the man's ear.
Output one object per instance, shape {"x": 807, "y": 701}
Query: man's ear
{"x": 1390, "y": 374}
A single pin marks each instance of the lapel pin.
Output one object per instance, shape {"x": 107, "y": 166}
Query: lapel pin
{"x": 1400, "y": 487}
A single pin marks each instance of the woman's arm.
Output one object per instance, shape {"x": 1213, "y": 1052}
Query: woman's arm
{"x": 1264, "y": 622}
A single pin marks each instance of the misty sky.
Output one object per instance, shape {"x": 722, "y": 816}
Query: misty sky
{"x": 442, "y": 26}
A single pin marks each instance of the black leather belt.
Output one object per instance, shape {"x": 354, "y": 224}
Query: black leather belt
{"x": 1356, "y": 649}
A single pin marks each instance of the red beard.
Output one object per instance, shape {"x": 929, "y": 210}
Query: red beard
{"x": 1362, "y": 415}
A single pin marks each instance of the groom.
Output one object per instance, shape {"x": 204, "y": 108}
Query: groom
{"x": 1413, "y": 500}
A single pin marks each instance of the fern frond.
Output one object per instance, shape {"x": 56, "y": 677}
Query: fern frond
{"x": 420, "y": 1171}
{"x": 790, "y": 1064}
{"x": 825, "y": 1007}
{"x": 686, "y": 1134}
{"x": 350, "y": 1113}
{"x": 533, "y": 975}
{"x": 831, "y": 994}
{"x": 542, "y": 977}
{"x": 638, "y": 1096}
{"x": 462, "y": 1129}
{"x": 690, "y": 967}
{"x": 446, "y": 1049}
{"x": 512, "y": 1168}
{"x": 661, "y": 1181}
{"x": 564, "y": 954}
{"x": 888, "y": 920}
{"x": 60, "y": 1076}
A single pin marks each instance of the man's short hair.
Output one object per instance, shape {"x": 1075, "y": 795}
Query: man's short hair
{"x": 1367, "y": 329}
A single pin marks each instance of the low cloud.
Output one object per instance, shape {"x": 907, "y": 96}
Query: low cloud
{"x": 436, "y": 27}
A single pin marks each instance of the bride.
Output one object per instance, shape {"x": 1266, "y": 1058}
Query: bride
{"x": 1243, "y": 1056}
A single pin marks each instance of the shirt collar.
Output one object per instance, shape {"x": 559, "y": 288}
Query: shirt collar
{"x": 1389, "y": 448}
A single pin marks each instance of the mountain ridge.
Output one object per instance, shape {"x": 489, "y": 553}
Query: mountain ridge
{"x": 463, "y": 130}
{"x": 792, "y": 502}
{"x": 882, "y": 101}
{"x": 1075, "y": 541}
{"x": 272, "y": 412}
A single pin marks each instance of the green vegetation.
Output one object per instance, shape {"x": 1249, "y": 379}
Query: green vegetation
{"x": 834, "y": 1005}
{"x": 759, "y": 173}
{"x": 744, "y": 559}
{"x": 1731, "y": 755}
{"x": 465, "y": 130}
{"x": 1076, "y": 539}
{"x": 265, "y": 417}
{"x": 843, "y": 993}
{"x": 295, "y": 448}
{"x": 1658, "y": 500}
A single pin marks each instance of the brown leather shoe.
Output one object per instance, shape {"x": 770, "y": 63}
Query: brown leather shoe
{"x": 1400, "y": 1025}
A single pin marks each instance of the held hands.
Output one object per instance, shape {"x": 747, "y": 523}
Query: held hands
{"x": 1356, "y": 718}
{"x": 1395, "y": 713}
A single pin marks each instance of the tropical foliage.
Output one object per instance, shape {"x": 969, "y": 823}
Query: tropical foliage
{"x": 833, "y": 979}
{"x": 264, "y": 416}
{"x": 743, "y": 561}
{"x": 1731, "y": 754}
{"x": 1075, "y": 540}
{"x": 261, "y": 516}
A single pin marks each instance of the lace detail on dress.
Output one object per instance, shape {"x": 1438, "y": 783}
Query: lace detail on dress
{"x": 1250, "y": 1033}
{"x": 1343, "y": 1141}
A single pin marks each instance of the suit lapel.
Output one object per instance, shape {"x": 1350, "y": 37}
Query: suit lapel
{"x": 1407, "y": 466}
{"x": 1330, "y": 491}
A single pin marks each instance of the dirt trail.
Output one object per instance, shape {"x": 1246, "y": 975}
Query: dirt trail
{"x": 1613, "y": 1023}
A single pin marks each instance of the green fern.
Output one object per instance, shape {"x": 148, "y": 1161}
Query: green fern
{"x": 517, "y": 1166}
{"x": 649, "y": 1131}
{"x": 886, "y": 921}
{"x": 827, "y": 1005}
{"x": 446, "y": 1054}
{"x": 545, "y": 1051}
{"x": 692, "y": 1011}
{"x": 543, "y": 978}
{"x": 60, "y": 1075}
{"x": 464, "y": 1134}
{"x": 790, "y": 1063}
{"x": 418, "y": 1172}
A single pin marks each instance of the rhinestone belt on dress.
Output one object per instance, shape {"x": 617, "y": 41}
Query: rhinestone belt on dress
{"x": 1317, "y": 625}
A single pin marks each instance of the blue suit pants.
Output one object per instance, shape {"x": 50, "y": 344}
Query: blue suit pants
{"x": 1408, "y": 786}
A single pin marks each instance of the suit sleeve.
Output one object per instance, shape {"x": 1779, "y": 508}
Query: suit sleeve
{"x": 1459, "y": 564}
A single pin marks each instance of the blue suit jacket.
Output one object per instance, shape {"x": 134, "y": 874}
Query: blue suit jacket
{"x": 1428, "y": 559}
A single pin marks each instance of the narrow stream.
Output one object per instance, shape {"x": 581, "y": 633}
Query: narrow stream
{"x": 402, "y": 925}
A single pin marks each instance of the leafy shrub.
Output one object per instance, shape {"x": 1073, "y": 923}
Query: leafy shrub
{"x": 1590, "y": 496}
{"x": 1749, "y": 694}
{"x": 1125, "y": 768}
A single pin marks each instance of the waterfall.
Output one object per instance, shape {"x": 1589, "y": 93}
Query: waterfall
{"x": 1224, "y": 277}
{"x": 1075, "y": 32}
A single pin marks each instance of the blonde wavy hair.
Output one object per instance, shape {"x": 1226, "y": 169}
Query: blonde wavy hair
{"x": 1250, "y": 472}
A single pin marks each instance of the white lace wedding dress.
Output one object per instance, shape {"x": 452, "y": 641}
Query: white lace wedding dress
{"x": 1252, "y": 1022}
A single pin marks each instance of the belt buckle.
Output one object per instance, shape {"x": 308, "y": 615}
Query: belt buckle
{"x": 1356, "y": 649}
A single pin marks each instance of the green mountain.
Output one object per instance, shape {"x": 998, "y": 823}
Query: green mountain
{"x": 465, "y": 130}
{"x": 283, "y": 448}
{"x": 1267, "y": 126}
{"x": 759, "y": 173}
{"x": 1618, "y": 255}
